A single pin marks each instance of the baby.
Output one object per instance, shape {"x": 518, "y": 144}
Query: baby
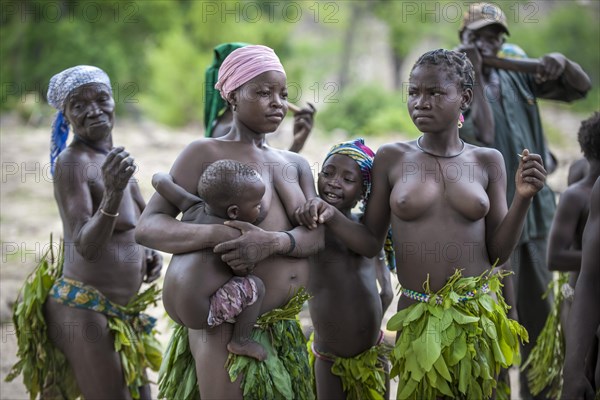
{"x": 228, "y": 190}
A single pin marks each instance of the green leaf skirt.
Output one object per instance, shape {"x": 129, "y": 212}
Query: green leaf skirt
{"x": 285, "y": 374}
{"x": 455, "y": 343}
{"x": 44, "y": 368}
{"x": 363, "y": 376}
{"x": 544, "y": 365}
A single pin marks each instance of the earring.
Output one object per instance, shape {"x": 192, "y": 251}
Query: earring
{"x": 234, "y": 107}
{"x": 461, "y": 119}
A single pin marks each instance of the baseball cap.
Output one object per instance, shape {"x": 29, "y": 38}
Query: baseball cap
{"x": 483, "y": 14}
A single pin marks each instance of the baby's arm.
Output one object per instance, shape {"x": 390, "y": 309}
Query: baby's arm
{"x": 165, "y": 186}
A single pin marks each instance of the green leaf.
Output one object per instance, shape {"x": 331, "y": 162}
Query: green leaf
{"x": 487, "y": 303}
{"x": 462, "y": 318}
{"x": 507, "y": 335}
{"x": 432, "y": 378}
{"x": 444, "y": 388}
{"x": 440, "y": 366}
{"x": 446, "y": 321}
{"x": 407, "y": 389}
{"x": 458, "y": 349}
{"x": 428, "y": 345}
{"x": 435, "y": 310}
{"x": 413, "y": 366}
{"x": 464, "y": 377}
{"x": 405, "y": 316}
{"x": 489, "y": 328}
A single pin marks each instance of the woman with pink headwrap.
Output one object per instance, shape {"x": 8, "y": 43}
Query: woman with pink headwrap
{"x": 253, "y": 82}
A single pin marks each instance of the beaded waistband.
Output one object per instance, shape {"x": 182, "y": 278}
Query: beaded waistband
{"x": 424, "y": 297}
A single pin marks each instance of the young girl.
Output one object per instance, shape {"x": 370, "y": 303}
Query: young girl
{"x": 446, "y": 203}
{"x": 346, "y": 308}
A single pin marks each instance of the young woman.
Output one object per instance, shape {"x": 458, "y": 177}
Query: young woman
{"x": 446, "y": 203}
{"x": 253, "y": 82}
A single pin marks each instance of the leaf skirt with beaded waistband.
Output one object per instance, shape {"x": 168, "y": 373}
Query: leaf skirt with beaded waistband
{"x": 454, "y": 342}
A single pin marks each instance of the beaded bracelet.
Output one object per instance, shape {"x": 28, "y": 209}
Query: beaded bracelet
{"x": 292, "y": 243}
{"x": 109, "y": 214}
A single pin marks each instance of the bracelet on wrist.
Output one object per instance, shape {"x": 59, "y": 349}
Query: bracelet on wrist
{"x": 292, "y": 243}
{"x": 109, "y": 214}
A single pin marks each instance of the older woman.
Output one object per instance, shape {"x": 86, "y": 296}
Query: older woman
{"x": 92, "y": 310}
{"x": 253, "y": 82}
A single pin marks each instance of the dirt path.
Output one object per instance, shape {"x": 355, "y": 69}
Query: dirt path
{"x": 28, "y": 213}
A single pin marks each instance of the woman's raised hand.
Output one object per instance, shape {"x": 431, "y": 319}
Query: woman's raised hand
{"x": 117, "y": 169}
{"x": 531, "y": 174}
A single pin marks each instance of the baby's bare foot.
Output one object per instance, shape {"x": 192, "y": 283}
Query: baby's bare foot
{"x": 249, "y": 348}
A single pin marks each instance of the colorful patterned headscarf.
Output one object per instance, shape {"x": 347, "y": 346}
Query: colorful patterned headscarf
{"x": 243, "y": 65}
{"x": 213, "y": 102}
{"x": 362, "y": 154}
{"x": 61, "y": 85}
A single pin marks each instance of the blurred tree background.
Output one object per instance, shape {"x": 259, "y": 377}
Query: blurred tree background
{"x": 349, "y": 58}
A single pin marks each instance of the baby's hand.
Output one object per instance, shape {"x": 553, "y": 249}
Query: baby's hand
{"x": 315, "y": 211}
{"x": 154, "y": 261}
{"x": 531, "y": 174}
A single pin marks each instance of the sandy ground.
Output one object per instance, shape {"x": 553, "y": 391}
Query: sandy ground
{"x": 28, "y": 213}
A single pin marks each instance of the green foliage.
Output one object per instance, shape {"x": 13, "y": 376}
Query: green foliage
{"x": 412, "y": 21}
{"x": 285, "y": 374}
{"x": 39, "y": 39}
{"x": 137, "y": 348}
{"x": 454, "y": 346}
{"x": 174, "y": 96}
{"x": 44, "y": 368}
{"x": 368, "y": 110}
{"x": 544, "y": 366}
{"x": 177, "y": 375}
{"x": 363, "y": 376}
{"x": 156, "y": 51}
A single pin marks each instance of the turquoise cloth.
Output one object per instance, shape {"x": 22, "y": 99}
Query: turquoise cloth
{"x": 79, "y": 295}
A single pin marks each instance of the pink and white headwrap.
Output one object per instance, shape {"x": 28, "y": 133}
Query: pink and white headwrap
{"x": 243, "y": 65}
